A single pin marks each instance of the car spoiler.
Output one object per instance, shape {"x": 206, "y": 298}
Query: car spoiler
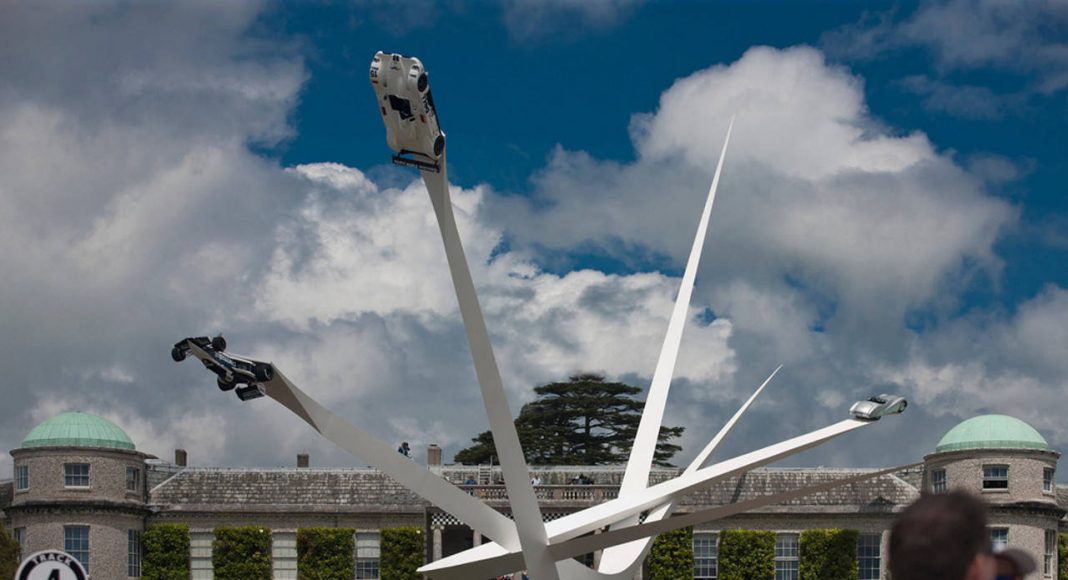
{"x": 416, "y": 163}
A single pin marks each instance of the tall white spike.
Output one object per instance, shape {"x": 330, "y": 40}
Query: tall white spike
{"x": 641, "y": 455}
{"x": 619, "y": 560}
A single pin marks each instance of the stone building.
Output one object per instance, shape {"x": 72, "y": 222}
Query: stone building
{"x": 81, "y": 485}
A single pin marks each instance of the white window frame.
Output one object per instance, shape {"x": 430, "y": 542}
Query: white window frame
{"x": 707, "y": 553}
{"x": 76, "y": 478}
{"x": 133, "y": 478}
{"x": 200, "y": 567}
{"x": 284, "y": 555}
{"x": 787, "y": 555}
{"x": 79, "y": 552}
{"x": 868, "y": 541}
{"x": 939, "y": 482}
{"x": 999, "y": 536}
{"x": 1048, "y": 480}
{"x": 367, "y": 546}
{"x": 1050, "y": 555}
{"x": 133, "y": 553}
{"x": 22, "y": 477}
{"x": 993, "y": 480}
{"x": 19, "y": 535}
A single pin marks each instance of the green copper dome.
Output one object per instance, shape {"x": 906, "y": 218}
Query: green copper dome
{"x": 992, "y": 432}
{"x": 76, "y": 429}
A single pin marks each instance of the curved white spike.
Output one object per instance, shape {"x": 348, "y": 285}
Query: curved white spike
{"x": 524, "y": 503}
{"x": 625, "y": 558}
{"x": 709, "y": 449}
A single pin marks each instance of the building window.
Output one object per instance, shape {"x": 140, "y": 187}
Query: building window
{"x": 999, "y": 538}
{"x": 1051, "y": 551}
{"x": 22, "y": 477}
{"x": 76, "y": 474}
{"x": 284, "y": 556}
{"x": 20, "y": 537}
{"x": 786, "y": 557}
{"x": 705, "y": 555}
{"x": 1047, "y": 479}
{"x": 869, "y": 548}
{"x": 133, "y": 479}
{"x": 76, "y": 543}
{"x": 995, "y": 477}
{"x": 200, "y": 555}
{"x": 133, "y": 553}
{"x": 367, "y": 556}
{"x": 938, "y": 481}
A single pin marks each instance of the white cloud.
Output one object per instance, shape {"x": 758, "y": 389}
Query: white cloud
{"x": 814, "y": 188}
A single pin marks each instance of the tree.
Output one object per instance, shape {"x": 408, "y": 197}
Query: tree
{"x": 9, "y": 554}
{"x": 584, "y": 421}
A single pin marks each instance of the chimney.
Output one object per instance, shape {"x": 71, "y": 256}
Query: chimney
{"x": 433, "y": 454}
{"x": 302, "y": 460}
{"x": 180, "y": 457}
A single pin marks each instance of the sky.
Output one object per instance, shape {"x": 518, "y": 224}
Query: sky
{"x": 891, "y": 217}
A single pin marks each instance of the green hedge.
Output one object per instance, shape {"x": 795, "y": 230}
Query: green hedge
{"x": 165, "y": 552}
{"x": 672, "y": 556}
{"x": 325, "y": 553}
{"x": 746, "y": 555}
{"x": 9, "y": 554}
{"x": 828, "y": 555}
{"x": 402, "y": 551}
{"x": 241, "y": 553}
{"x": 1062, "y": 556}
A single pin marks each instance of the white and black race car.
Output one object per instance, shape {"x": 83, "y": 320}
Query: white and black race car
{"x": 407, "y": 108}
{"x": 231, "y": 370}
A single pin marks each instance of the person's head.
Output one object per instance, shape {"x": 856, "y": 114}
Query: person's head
{"x": 942, "y": 537}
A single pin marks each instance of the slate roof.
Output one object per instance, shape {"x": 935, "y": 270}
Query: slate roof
{"x": 369, "y": 490}
{"x": 878, "y": 494}
{"x": 283, "y": 490}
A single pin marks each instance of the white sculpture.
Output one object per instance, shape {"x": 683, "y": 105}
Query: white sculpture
{"x": 545, "y": 550}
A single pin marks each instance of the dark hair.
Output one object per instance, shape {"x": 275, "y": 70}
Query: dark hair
{"x": 938, "y": 537}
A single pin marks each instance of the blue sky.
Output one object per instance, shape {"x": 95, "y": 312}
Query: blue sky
{"x": 892, "y": 215}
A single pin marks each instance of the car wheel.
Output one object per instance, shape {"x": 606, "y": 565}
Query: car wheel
{"x": 422, "y": 83}
{"x": 224, "y": 386}
{"x": 439, "y": 145}
{"x": 218, "y": 343}
{"x": 264, "y": 373}
{"x": 177, "y": 354}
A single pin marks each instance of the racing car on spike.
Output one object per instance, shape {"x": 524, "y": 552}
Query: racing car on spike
{"x": 407, "y": 106}
{"x": 231, "y": 370}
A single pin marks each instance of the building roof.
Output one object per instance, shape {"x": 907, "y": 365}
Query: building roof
{"x": 992, "y": 432}
{"x": 220, "y": 489}
{"x": 76, "y": 429}
{"x": 361, "y": 490}
{"x": 880, "y": 492}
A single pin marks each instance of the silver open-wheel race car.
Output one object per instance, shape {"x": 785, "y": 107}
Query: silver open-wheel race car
{"x": 231, "y": 370}
{"x": 407, "y": 106}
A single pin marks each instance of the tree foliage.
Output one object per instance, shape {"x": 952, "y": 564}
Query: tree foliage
{"x": 584, "y": 421}
{"x": 828, "y": 555}
{"x": 671, "y": 557}
{"x": 165, "y": 550}
{"x": 401, "y": 553}
{"x": 241, "y": 552}
{"x": 746, "y": 555}
{"x": 9, "y": 554}
{"x": 325, "y": 553}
